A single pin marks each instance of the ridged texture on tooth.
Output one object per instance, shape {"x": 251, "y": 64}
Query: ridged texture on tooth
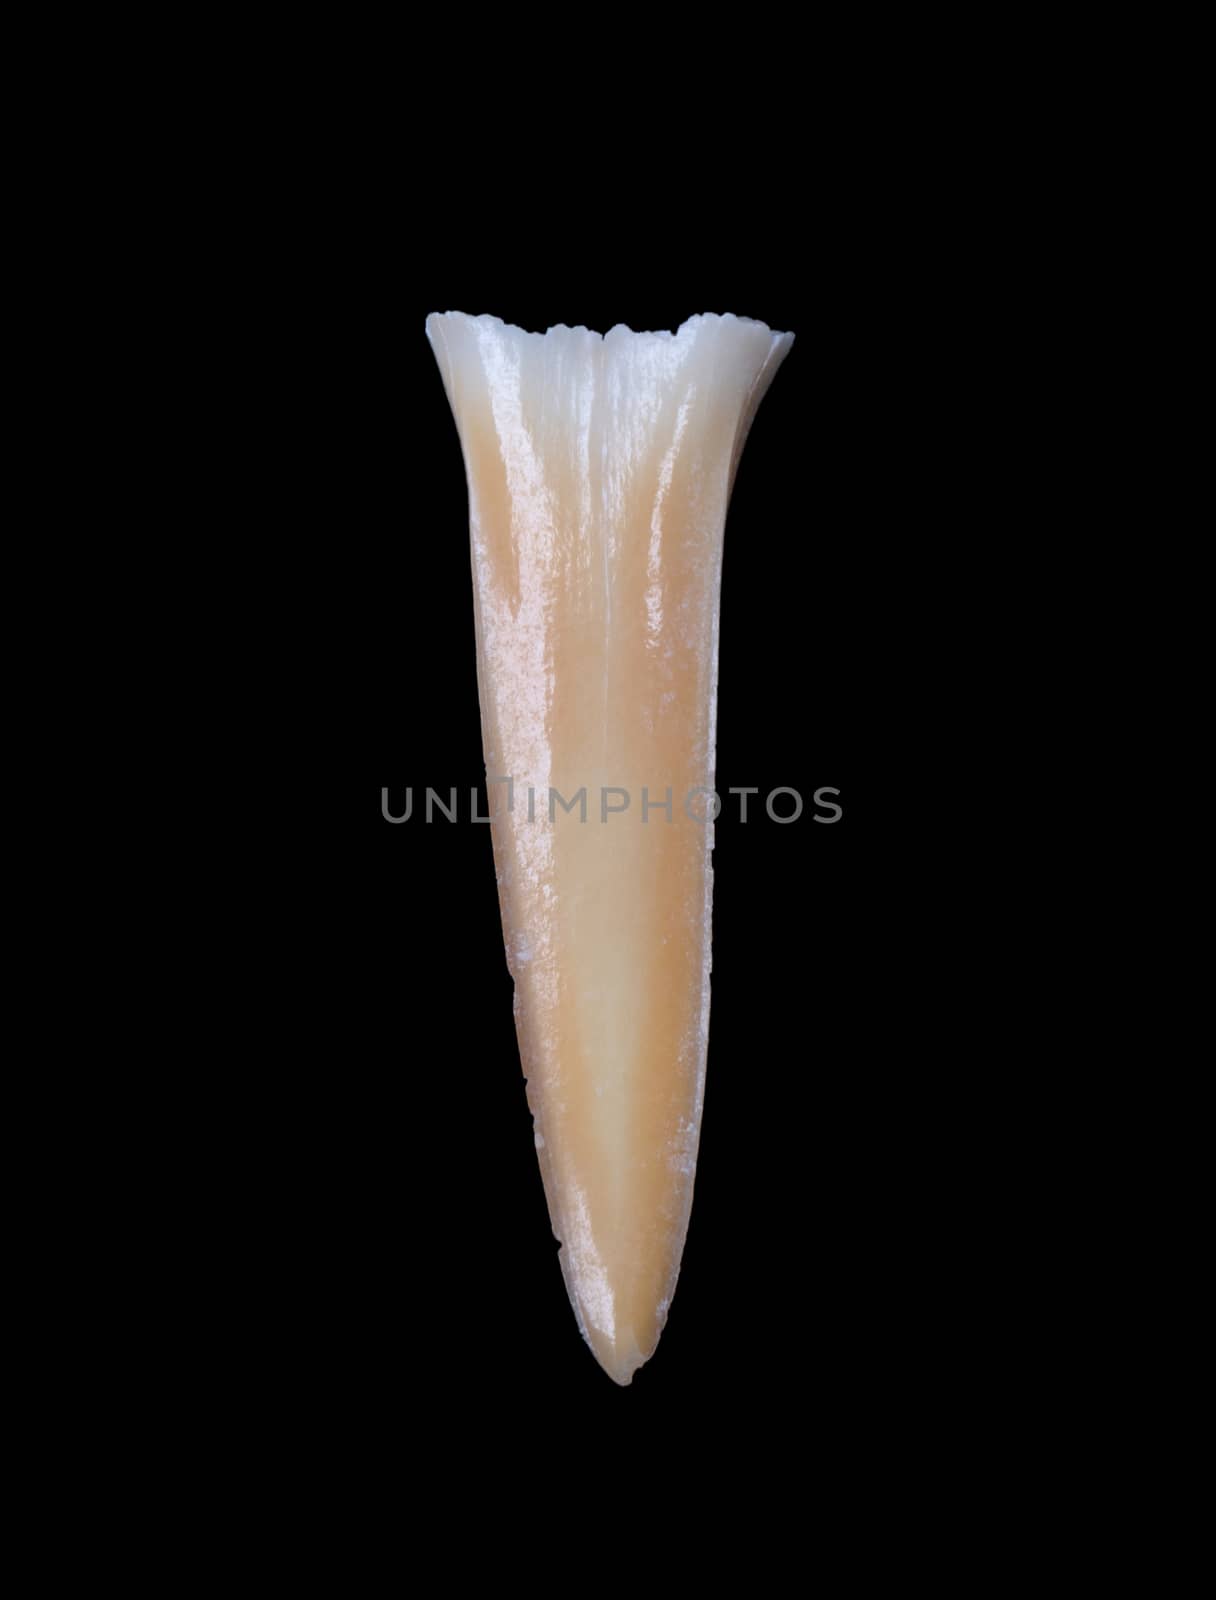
{"x": 598, "y": 472}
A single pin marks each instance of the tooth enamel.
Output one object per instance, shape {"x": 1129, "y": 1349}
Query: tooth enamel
{"x": 599, "y": 471}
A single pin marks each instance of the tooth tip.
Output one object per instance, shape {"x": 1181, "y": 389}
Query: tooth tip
{"x": 621, "y": 1357}
{"x": 620, "y": 1365}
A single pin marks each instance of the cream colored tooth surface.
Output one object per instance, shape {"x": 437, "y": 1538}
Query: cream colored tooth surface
{"x": 598, "y": 472}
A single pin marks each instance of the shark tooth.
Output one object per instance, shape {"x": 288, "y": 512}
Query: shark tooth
{"x": 598, "y": 472}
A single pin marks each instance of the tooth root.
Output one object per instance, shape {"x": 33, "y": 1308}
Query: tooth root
{"x": 599, "y": 471}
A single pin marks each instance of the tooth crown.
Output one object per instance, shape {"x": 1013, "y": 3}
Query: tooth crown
{"x": 599, "y": 470}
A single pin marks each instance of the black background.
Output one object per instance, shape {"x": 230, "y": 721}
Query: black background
{"x": 415, "y": 1270}
{"x": 332, "y": 1263}
{"x": 334, "y": 1266}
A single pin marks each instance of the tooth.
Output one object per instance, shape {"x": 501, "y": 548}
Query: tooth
{"x": 598, "y": 471}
